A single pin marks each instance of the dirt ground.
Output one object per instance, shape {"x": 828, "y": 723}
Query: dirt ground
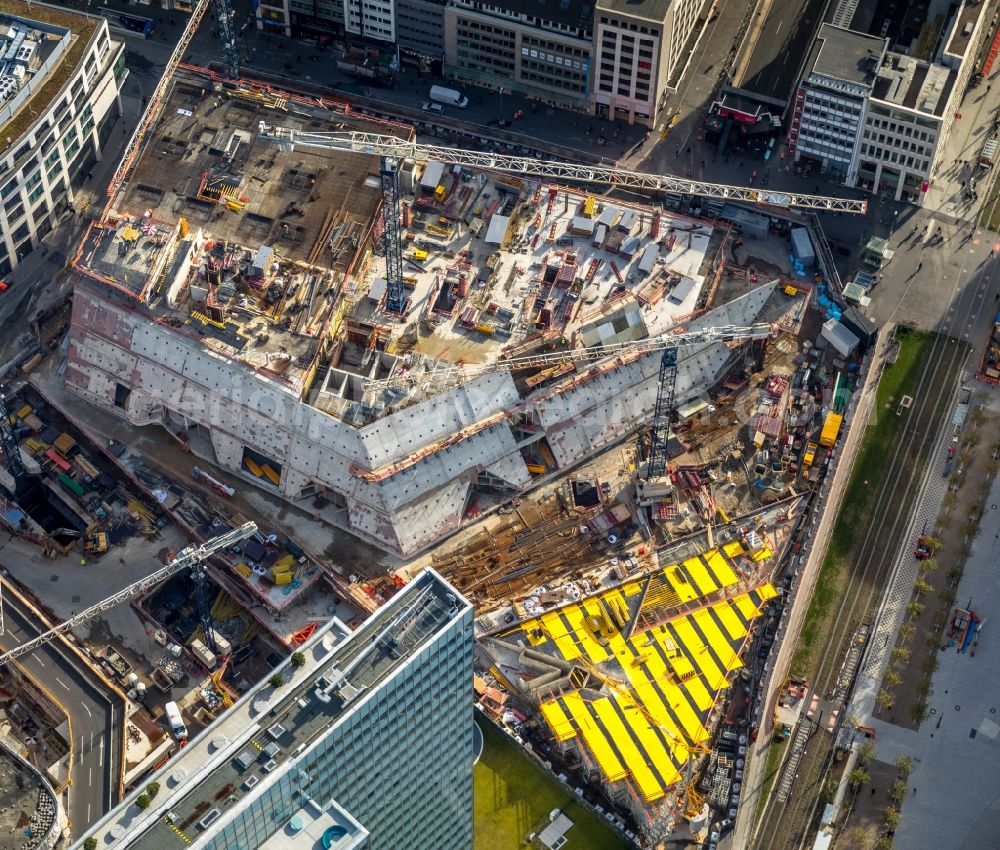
{"x": 864, "y": 823}
{"x": 954, "y": 528}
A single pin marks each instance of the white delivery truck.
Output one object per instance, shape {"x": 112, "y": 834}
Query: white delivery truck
{"x": 451, "y": 97}
{"x": 175, "y": 721}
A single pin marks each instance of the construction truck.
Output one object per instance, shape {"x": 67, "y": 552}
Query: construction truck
{"x": 807, "y": 458}
{"x": 831, "y": 429}
{"x": 96, "y": 544}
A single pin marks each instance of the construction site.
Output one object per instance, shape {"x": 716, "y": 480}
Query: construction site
{"x": 601, "y": 419}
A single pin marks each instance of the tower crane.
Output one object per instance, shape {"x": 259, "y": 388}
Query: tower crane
{"x": 9, "y": 448}
{"x": 372, "y": 143}
{"x": 191, "y": 556}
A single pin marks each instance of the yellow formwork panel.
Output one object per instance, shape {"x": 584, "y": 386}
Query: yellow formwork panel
{"x": 745, "y": 605}
{"x": 691, "y": 723}
{"x": 733, "y": 624}
{"x": 766, "y": 591}
{"x": 762, "y": 554}
{"x": 716, "y": 639}
{"x": 677, "y": 660}
{"x": 556, "y": 629}
{"x": 562, "y": 726}
{"x": 702, "y": 578}
{"x": 574, "y": 615}
{"x": 655, "y": 753}
{"x": 685, "y": 592}
{"x": 721, "y": 568}
{"x": 635, "y": 761}
{"x": 714, "y": 677}
{"x": 633, "y": 588}
{"x": 606, "y": 757}
{"x": 534, "y": 634}
{"x": 733, "y": 550}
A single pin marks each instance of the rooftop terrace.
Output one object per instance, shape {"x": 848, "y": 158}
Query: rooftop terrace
{"x": 267, "y": 730}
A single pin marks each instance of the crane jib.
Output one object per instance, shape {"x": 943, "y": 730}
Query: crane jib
{"x": 376, "y": 144}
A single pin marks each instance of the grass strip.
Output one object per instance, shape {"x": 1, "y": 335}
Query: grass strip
{"x": 870, "y": 468}
{"x": 512, "y": 797}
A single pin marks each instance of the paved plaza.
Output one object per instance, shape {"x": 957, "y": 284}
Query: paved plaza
{"x": 954, "y": 799}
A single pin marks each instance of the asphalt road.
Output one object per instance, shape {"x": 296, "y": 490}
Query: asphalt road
{"x": 96, "y": 716}
{"x": 785, "y": 36}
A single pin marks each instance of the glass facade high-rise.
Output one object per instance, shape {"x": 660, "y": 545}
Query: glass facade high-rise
{"x": 368, "y": 746}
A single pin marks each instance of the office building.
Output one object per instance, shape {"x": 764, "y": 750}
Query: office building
{"x": 830, "y": 102}
{"x": 878, "y": 119}
{"x": 639, "y": 47}
{"x": 60, "y": 78}
{"x": 368, "y": 745}
{"x": 540, "y": 49}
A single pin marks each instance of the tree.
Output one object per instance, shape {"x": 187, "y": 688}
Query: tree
{"x": 907, "y": 632}
{"x": 891, "y": 678}
{"x": 897, "y": 791}
{"x": 858, "y": 777}
{"x": 930, "y": 565}
{"x": 933, "y": 543}
{"x": 884, "y": 700}
{"x": 914, "y": 610}
{"x": 153, "y": 789}
{"x": 298, "y": 659}
{"x": 904, "y": 764}
{"x": 143, "y": 801}
{"x": 899, "y": 655}
{"x": 918, "y": 711}
{"x": 930, "y": 664}
{"x": 923, "y": 587}
{"x": 866, "y": 752}
{"x": 891, "y": 816}
{"x": 276, "y": 680}
{"x": 90, "y": 843}
{"x": 883, "y": 842}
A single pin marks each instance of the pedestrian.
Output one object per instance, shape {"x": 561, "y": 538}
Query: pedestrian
{"x": 919, "y": 266}
{"x": 914, "y": 790}
{"x": 83, "y": 563}
{"x": 873, "y": 791}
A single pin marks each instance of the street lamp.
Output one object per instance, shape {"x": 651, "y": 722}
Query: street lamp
{"x": 501, "y": 106}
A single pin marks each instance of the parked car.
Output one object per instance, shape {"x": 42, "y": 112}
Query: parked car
{"x": 436, "y": 108}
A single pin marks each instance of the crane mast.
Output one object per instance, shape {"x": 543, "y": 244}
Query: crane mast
{"x": 191, "y": 556}
{"x": 373, "y": 143}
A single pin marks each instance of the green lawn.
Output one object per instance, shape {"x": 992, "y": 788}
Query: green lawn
{"x": 876, "y": 451}
{"x": 512, "y": 797}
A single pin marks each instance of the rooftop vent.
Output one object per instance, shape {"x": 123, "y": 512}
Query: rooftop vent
{"x": 250, "y": 781}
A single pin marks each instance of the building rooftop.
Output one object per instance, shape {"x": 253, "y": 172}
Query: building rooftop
{"x": 914, "y": 84}
{"x": 846, "y": 55}
{"x": 635, "y": 671}
{"x": 262, "y": 736}
{"x": 650, "y": 10}
{"x": 261, "y": 254}
{"x": 41, "y": 45}
{"x": 572, "y": 13}
{"x": 965, "y": 24}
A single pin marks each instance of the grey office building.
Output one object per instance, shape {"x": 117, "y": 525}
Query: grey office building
{"x": 369, "y": 745}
